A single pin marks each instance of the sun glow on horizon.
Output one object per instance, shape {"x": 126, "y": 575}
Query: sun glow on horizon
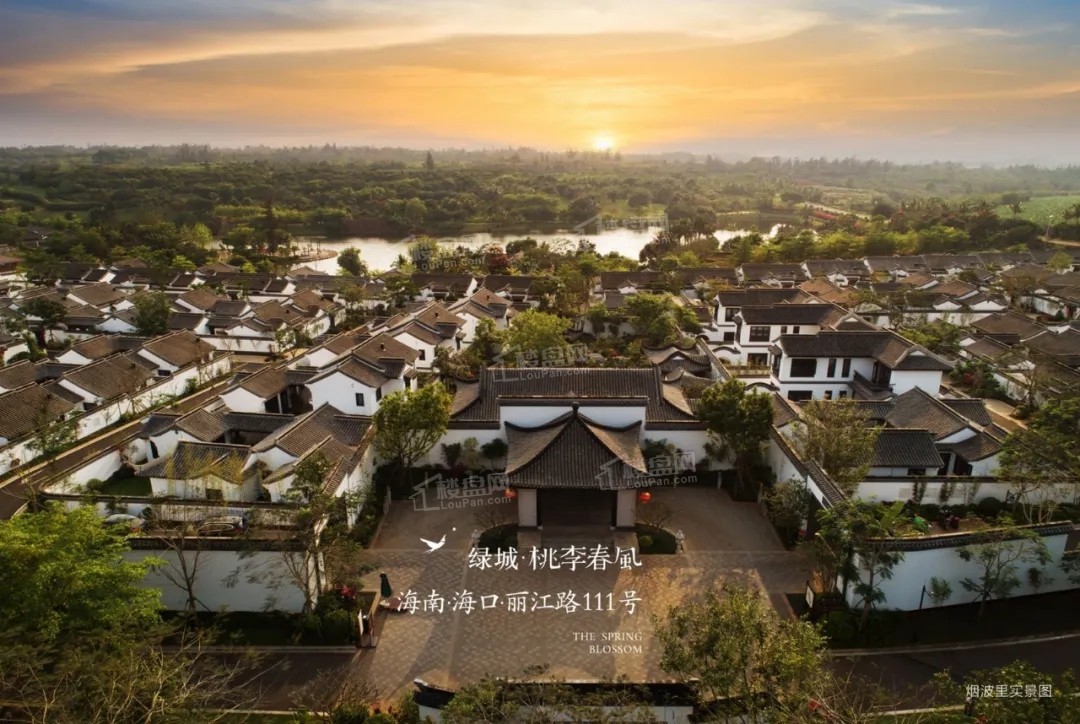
{"x": 604, "y": 143}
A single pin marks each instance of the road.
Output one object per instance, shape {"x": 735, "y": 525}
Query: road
{"x": 282, "y": 681}
{"x": 14, "y": 490}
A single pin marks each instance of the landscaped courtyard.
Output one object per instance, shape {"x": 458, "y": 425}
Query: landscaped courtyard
{"x": 723, "y": 539}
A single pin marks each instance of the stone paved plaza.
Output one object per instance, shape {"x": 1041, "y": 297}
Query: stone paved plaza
{"x": 724, "y": 539}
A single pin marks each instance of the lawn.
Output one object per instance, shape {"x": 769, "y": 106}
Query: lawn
{"x": 1040, "y": 208}
{"x": 134, "y": 485}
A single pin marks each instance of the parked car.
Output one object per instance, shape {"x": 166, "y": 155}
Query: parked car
{"x": 133, "y": 522}
{"x": 223, "y": 525}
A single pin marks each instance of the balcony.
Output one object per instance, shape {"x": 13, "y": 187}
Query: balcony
{"x": 866, "y": 389}
{"x": 753, "y": 371}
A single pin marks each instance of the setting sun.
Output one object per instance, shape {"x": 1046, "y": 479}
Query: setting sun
{"x": 604, "y": 143}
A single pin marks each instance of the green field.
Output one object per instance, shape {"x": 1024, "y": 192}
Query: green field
{"x": 1040, "y": 208}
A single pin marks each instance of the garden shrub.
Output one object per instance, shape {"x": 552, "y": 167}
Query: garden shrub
{"x": 841, "y": 627}
{"x": 653, "y": 540}
{"x": 499, "y": 538}
{"x": 989, "y": 507}
{"x": 338, "y": 627}
{"x": 308, "y": 628}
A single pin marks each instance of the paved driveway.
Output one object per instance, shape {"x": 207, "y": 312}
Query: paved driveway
{"x": 454, "y": 646}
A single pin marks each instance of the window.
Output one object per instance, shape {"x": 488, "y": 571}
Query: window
{"x": 214, "y": 494}
{"x": 759, "y": 334}
{"x": 803, "y": 367}
{"x": 359, "y": 399}
{"x": 408, "y": 383}
{"x": 729, "y": 314}
{"x": 757, "y": 359}
{"x": 846, "y": 371}
{"x": 423, "y": 354}
{"x": 800, "y": 395}
{"x": 828, "y": 394}
{"x": 729, "y": 336}
{"x": 795, "y": 329}
{"x": 378, "y": 394}
{"x": 832, "y": 368}
{"x": 783, "y": 330}
{"x": 164, "y": 373}
{"x": 843, "y": 394}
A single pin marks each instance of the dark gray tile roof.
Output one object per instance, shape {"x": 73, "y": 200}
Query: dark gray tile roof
{"x": 202, "y": 425}
{"x": 1064, "y": 345}
{"x": 266, "y": 383}
{"x": 617, "y": 279}
{"x": 185, "y": 320}
{"x": 310, "y": 430}
{"x": 978, "y": 447}
{"x": 758, "y": 271}
{"x": 693, "y": 275}
{"x": 195, "y": 460}
{"x": 671, "y": 359}
{"x": 18, "y": 374}
{"x": 848, "y": 267}
{"x": 783, "y": 413}
{"x": 987, "y": 347}
{"x": 917, "y": 409}
{"x": 516, "y": 284}
{"x": 875, "y": 410}
{"x": 421, "y": 332}
{"x": 99, "y": 294}
{"x": 882, "y": 345}
{"x": 157, "y": 423}
{"x": 106, "y": 344}
{"x": 455, "y": 283}
{"x": 202, "y": 297}
{"x": 893, "y": 263}
{"x": 113, "y": 376}
{"x": 906, "y": 449}
{"x": 761, "y": 297}
{"x": 573, "y": 452}
{"x": 480, "y": 403}
{"x": 971, "y": 408}
{"x": 1009, "y": 324}
{"x": 483, "y": 303}
{"x": 229, "y": 308}
{"x": 23, "y": 409}
{"x": 255, "y": 421}
{"x": 793, "y": 314}
{"x": 180, "y": 348}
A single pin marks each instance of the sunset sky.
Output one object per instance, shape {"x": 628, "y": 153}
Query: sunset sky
{"x": 995, "y": 81}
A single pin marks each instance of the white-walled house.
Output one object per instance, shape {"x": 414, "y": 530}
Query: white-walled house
{"x": 359, "y": 380}
{"x": 428, "y": 329}
{"x": 729, "y": 304}
{"x": 207, "y": 471}
{"x": 865, "y": 364}
{"x": 575, "y": 437}
{"x": 483, "y": 304}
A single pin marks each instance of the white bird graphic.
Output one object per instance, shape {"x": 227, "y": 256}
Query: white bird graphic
{"x": 432, "y": 545}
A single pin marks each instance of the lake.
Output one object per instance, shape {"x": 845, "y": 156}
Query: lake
{"x": 379, "y": 254}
